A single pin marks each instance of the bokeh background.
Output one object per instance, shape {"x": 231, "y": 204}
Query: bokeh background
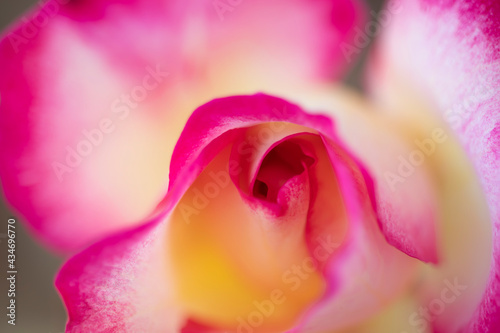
{"x": 38, "y": 306}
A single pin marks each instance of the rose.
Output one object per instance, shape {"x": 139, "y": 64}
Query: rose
{"x": 104, "y": 274}
{"x": 269, "y": 200}
{"x": 266, "y": 198}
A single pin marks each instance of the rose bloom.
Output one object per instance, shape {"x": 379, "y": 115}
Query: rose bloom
{"x": 205, "y": 171}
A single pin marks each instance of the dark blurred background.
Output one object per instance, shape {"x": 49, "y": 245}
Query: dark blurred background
{"x": 38, "y": 306}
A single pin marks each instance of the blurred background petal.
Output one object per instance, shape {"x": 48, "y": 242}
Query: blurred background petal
{"x": 437, "y": 65}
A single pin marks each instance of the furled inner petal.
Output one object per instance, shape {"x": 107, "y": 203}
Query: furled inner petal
{"x": 235, "y": 252}
{"x": 282, "y": 163}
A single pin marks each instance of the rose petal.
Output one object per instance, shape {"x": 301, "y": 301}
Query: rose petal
{"x": 406, "y": 202}
{"x": 446, "y": 54}
{"x": 121, "y": 284}
{"x": 369, "y": 273}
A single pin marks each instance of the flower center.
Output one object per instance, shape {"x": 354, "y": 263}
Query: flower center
{"x": 282, "y": 163}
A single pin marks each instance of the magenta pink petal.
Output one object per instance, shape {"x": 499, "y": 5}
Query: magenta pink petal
{"x": 225, "y": 114}
{"x": 369, "y": 272}
{"x": 449, "y": 51}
